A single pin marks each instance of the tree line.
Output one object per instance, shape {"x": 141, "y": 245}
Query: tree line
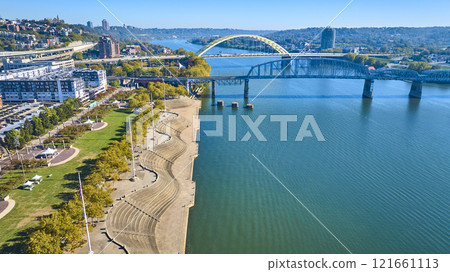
{"x": 365, "y": 60}
{"x": 47, "y": 119}
{"x": 192, "y": 66}
{"x": 64, "y": 230}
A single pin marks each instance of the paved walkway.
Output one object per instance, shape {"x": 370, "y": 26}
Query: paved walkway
{"x": 171, "y": 232}
{"x": 10, "y": 205}
{"x": 65, "y": 156}
{"x": 99, "y": 125}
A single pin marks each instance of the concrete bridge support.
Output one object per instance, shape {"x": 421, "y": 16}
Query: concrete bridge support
{"x": 286, "y": 62}
{"x": 368, "y": 88}
{"x": 246, "y": 88}
{"x": 188, "y": 86}
{"x": 213, "y": 89}
{"x": 416, "y": 89}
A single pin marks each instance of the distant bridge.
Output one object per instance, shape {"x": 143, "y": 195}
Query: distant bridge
{"x": 302, "y": 55}
{"x": 313, "y": 68}
{"x": 271, "y": 43}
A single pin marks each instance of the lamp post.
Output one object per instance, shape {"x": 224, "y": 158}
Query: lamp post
{"x": 153, "y": 122}
{"x": 164, "y": 87}
{"x": 23, "y": 170}
{"x": 132, "y": 148}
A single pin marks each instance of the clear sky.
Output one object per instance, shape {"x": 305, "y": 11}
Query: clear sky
{"x": 242, "y": 14}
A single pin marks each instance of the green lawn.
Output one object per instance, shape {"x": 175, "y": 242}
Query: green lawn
{"x": 58, "y": 188}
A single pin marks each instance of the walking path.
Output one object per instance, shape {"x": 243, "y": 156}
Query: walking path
{"x": 99, "y": 125}
{"x": 65, "y": 156}
{"x": 5, "y": 209}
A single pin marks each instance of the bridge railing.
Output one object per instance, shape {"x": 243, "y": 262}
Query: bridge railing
{"x": 309, "y": 68}
{"x": 438, "y": 75}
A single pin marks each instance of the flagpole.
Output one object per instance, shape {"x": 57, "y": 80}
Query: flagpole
{"x": 132, "y": 148}
{"x": 153, "y": 122}
{"x": 85, "y": 217}
{"x": 164, "y": 87}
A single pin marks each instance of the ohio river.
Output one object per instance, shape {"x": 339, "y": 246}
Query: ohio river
{"x": 379, "y": 182}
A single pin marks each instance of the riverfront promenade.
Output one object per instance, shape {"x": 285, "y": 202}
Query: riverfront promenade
{"x": 150, "y": 214}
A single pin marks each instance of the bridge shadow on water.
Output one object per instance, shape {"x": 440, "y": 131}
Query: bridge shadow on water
{"x": 355, "y": 96}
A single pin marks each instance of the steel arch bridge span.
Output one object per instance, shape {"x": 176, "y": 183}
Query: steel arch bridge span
{"x": 309, "y": 68}
{"x": 271, "y": 43}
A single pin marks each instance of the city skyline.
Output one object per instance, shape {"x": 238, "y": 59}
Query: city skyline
{"x": 238, "y": 15}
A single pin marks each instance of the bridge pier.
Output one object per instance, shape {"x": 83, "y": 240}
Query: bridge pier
{"x": 416, "y": 89}
{"x": 188, "y": 86}
{"x": 246, "y": 88}
{"x": 285, "y": 62}
{"x": 213, "y": 89}
{"x": 368, "y": 88}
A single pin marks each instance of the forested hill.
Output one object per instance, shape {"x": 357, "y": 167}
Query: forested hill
{"x": 368, "y": 36}
{"x": 173, "y": 33}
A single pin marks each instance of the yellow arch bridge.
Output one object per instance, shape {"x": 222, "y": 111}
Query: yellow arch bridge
{"x": 271, "y": 43}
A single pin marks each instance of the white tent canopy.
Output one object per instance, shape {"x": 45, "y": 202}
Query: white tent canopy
{"x": 115, "y": 102}
{"x": 49, "y": 151}
{"x": 28, "y": 183}
{"x": 37, "y": 177}
{"x": 88, "y": 122}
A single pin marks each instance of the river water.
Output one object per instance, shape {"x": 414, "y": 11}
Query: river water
{"x": 379, "y": 183}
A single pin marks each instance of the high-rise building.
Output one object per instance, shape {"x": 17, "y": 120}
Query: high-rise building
{"x": 328, "y": 38}
{"x": 105, "y": 24}
{"x": 90, "y": 24}
{"x": 108, "y": 47}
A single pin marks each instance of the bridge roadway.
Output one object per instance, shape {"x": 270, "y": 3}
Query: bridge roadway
{"x": 46, "y": 54}
{"x": 304, "y": 55}
{"x": 311, "y": 68}
{"x": 129, "y": 58}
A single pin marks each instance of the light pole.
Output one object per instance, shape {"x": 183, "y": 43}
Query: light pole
{"x": 132, "y": 148}
{"x": 153, "y": 122}
{"x": 85, "y": 217}
{"x": 164, "y": 87}
{"x": 23, "y": 171}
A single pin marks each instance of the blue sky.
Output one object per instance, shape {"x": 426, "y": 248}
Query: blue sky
{"x": 243, "y": 14}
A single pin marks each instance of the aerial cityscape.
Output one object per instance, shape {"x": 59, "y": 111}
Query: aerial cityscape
{"x": 125, "y": 134}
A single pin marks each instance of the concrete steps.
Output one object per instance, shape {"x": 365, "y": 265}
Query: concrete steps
{"x": 138, "y": 214}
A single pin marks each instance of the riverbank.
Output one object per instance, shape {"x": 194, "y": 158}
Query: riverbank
{"x": 171, "y": 233}
{"x": 150, "y": 214}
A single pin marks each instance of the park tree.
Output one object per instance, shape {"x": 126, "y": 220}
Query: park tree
{"x": 81, "y": 65}
{"x": 361, "y": 59}
{"x": 13, "y": 140}
{"x": 77, "y": 56}
{"x": 40, "y": 242}
{"x": 38, "y": 128}
{"x": 28, "y": 127}
{"x": 350, "y": 56}
{"x": 117, "y": 71}
{"x": 25, "y": 135}
{"x": 45, "y": 118}
{"x": 115, "y": 83}
{"x": 419, "y": 66}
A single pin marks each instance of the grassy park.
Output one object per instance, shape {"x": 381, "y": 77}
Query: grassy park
{"x": 58, "y": 188}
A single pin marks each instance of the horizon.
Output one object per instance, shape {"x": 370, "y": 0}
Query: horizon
{"x": 203, "y": 14}
{"x": 223, "y": 28}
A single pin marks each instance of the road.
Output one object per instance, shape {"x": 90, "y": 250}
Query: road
{"x": 77, "y": 47}
{"x": 129, "y": 58}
